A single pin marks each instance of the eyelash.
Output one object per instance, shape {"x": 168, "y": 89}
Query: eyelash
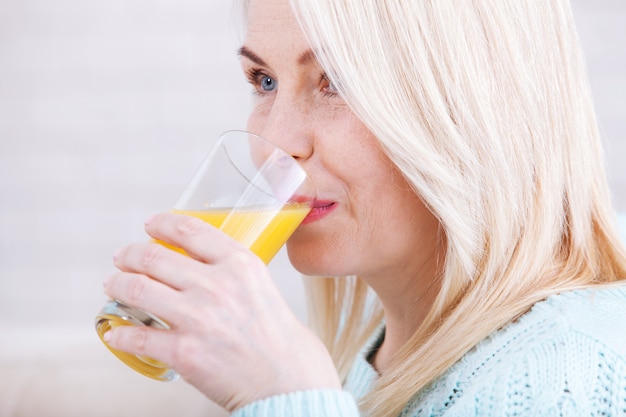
{"x": 254, "y": 76}
{"x": 326, "y": 92}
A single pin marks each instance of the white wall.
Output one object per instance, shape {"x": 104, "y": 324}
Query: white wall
{"x": 105, "y": 111}
{"x": 603, "y": 36}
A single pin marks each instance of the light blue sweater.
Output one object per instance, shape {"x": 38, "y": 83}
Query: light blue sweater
{"x": 566, "y": 357}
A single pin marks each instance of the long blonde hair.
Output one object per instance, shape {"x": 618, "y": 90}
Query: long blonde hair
{"x": 485, "y": 108}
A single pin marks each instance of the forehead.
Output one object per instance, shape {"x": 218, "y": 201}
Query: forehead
{"x": 272, "y": 19}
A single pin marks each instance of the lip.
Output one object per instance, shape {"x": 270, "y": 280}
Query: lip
{"x": 320, "y": 209}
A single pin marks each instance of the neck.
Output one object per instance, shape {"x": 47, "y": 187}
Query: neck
{"x": 407, "y": 300}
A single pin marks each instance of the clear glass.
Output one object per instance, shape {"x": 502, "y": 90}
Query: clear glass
{"x": 250, "y": 189}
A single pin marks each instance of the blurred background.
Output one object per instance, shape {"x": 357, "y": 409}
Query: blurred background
{"x": 106, "y": 109}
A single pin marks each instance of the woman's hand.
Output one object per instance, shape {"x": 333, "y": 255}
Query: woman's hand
{"x": 233, "y": 336}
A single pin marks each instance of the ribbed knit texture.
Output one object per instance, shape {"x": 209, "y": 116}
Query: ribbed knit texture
{"x": 313, "y": 403}
{"x": 564, "y": 358}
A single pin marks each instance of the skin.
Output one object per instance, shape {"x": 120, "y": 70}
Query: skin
{"x": 233, "y": 336}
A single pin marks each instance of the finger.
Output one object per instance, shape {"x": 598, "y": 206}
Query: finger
{"x": 178, "y": 351}
{"x": 144, "y": 293}
{"x": 167, "y": 266}
{"x": 142, "y": 341}
{"x": 199, "y": 239}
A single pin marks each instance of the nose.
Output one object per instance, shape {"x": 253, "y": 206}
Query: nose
{"x": 289, "y": 125}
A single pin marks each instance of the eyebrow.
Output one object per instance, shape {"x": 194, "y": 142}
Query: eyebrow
{"x": 243, "y": 51}
{"x": 304, "y": 58}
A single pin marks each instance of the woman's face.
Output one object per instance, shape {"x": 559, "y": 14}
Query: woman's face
{"x": 367, "y": 220}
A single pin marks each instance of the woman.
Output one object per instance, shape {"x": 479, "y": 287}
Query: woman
{"x": 460, "y": 174}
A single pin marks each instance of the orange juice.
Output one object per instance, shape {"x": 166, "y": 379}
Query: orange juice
{"x": 262, "y": 230}
{"x": 144, "y": 365}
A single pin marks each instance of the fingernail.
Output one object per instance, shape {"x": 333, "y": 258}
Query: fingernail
{"x": 106, "y": 281}
{"x": 107, "y": 336}
{"x": 116, "y": 254}
{"x": 149, "y": 219}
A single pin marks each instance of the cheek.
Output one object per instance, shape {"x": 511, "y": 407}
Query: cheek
{"x": 256, "y": 120}
{"x": 348, "y": 148}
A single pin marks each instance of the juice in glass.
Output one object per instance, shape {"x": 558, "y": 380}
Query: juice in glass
{"x": 263, "y": 230}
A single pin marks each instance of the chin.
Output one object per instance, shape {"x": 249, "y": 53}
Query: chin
{"x": 306, "y": 259}
{"x": 304, "y": 264}
{"x": 315, "y": 252}
{"x": 309, "y": 261}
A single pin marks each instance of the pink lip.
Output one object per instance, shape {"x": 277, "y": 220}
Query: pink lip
{"x": 320, "y": 209}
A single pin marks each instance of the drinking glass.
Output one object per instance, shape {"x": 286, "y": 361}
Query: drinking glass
{"x": 248, "y": 188}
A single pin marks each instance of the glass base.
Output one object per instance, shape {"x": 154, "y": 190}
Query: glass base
{"x": 115, "y": 314}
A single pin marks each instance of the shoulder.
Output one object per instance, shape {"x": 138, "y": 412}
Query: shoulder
{"x": 585, "y": 322}
{"x": 566, "y": 356}
{"x": 597, "y": 314}
{"x": 570, "y": 335}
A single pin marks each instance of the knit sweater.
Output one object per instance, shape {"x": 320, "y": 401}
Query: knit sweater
{"x": 566, "y": 357}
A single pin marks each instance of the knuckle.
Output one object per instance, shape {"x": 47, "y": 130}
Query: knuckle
{"x": 136, "y": 290}
{"x": 240, "y": 258}
{"x": 188, "y": 226}
{"x": 186, "y": 355}
{"x": 245, "y": 263}
{"x": 151, "y": 255}
{"x": 138, "y": 339}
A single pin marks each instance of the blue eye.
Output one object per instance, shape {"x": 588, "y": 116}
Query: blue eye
{"x": 268, "y": 83}
{"x": 261, "y": 82}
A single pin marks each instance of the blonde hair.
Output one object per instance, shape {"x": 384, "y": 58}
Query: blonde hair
{"x": 484, "y": 107}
